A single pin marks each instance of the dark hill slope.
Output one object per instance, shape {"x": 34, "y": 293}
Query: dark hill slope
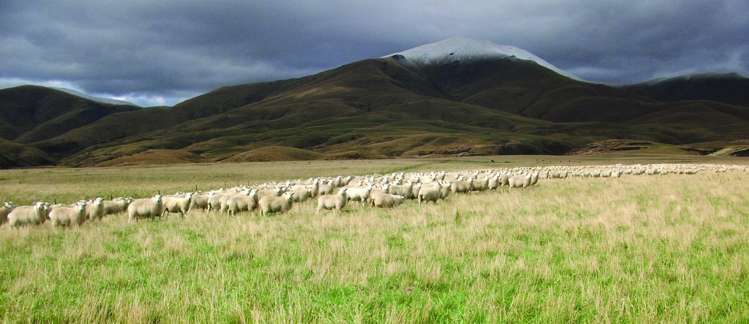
{"x": 32, "y": 113}
{"x": 726, "y": 88}
{"x": 382, "y": 108}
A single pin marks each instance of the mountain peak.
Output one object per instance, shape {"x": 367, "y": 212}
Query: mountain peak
{"x": 462, "y": 49}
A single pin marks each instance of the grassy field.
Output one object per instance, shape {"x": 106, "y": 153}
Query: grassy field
{"x": 24, "y": 186}
{"x": 635, "y": 249}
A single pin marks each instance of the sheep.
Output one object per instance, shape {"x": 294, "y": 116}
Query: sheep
{"x": 337, "y": 201}
{"x": 273, "y": 204}
{"x": 534, "y": 178}
{"x": 116, "y": 206}
{"x": 430, "y": 192}
{"x": 28, "y": 215}
{"x": 145, "y": 208}
{"x": 402, "y": 190}
{"x": 301, "y": 192}
{"x": 242, "y": 202}
{"x": 95, "y": 209}
{"x": 70, "y": 215}
{"x": 200, "y": 200}
{"x": 520, "y": 181}
{"x": 359, "y": 193}
{"x": 4, "y": 211}
{"x": 325, "y": 188}
{"x": 479, "y": 184}
{"x": 493, "y": 183}
{"x": 214, "y": 201}
{"x": 460, "y": 186}
{"x": 444, "y": 190}
{"x": 504, "y": 180}
{"x": 385, "y": 200}
{"x": 179, "y": 203}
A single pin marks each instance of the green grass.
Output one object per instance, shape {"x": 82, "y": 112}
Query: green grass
{"x": 24, "y": 186}
{"x": 635, "y": 249}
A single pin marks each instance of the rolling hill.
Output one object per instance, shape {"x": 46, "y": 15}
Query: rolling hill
{"x": 457, "y": 96}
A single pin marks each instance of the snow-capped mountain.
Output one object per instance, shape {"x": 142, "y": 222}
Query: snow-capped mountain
{"x": 464, "y": 49}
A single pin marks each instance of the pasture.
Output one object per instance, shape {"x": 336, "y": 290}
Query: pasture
{"x": 668, "y": 248}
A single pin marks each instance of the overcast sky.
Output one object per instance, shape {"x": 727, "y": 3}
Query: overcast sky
{"x": 161, "y": 52}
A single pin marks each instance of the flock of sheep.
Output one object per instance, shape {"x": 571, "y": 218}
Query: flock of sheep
{"x": 332, "y": 193}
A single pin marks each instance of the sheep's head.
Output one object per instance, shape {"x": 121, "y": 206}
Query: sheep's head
{"x": 156, "y": 199}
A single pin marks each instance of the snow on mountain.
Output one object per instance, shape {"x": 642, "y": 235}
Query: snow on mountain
{"x": 463, "y": 49}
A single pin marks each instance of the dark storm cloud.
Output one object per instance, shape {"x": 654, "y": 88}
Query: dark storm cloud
{"x": 155, "y": 52}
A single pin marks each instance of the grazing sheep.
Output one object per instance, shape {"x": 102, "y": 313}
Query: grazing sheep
{"x": 520, "y": 181}
{"x": 430, "y": 192}
{"x": 444, "y": 190}
{"x": 69, "y": 215}
{"x": 325, "y": 188}
{"x": 95, "y": 209}
{"x": 359, "y": 193}
{"x": 337, "y": 201}
{"x": 28, "y": 215}
{"x": 460, "y": 186}
{"x": 179, "y": 203}
{"x": 274, "y": 204}
{"x": 385, "y": 200}
{"x": 402, "y": 190}
{"x": 116, "y": 206}
{"x": 214, "y": 201}
{"x": 504, "y": 180}
{"x": 301, "y": 192}
{"x": 145, "y": 208}
{"x": 493, "y": 183}
{"x": 479, "y": 184}
{"x": 534, "y": 178}
{"x": 242, "y": 202}
{"x": 200, "y": 200}
{"x": 4, "y": 211}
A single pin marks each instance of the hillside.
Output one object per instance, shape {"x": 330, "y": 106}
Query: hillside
{"x": 466, "y": 103}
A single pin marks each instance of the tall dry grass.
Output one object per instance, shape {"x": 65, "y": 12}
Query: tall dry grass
{"x": 635, "y": 249}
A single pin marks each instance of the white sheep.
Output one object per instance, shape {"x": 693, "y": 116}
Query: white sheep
{"x": 28, "y": 215}
{"x": 430, "y": 192}
{"x": 336, "y": 201}
{"x": 200, "y": 200}
{"x": 274, "y": 204}
{"x": 145, "y": 208}
{"x": 301, "y": 192}
{"x": 460, "y": 186}
{"x": 520, "y": 181}
{"x": 242, "y": 202}
{"x": 479, "y": 184}
{"x": 325, "y": 188}
{"x": 214, "y": 201}
{"x": 5, "y": 209}
{"x": 68, "y": 215}
{"x": 359, "y": 193}
{"x": 178, "y": 204}
{"x": 116, "y": 206}
{"x": 402, "y": 190}
{"x": 385, "y": 200}
{"x": 95, "y": 209}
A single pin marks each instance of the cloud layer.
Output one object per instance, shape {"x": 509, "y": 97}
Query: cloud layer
{"x": 162, "y": 52}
